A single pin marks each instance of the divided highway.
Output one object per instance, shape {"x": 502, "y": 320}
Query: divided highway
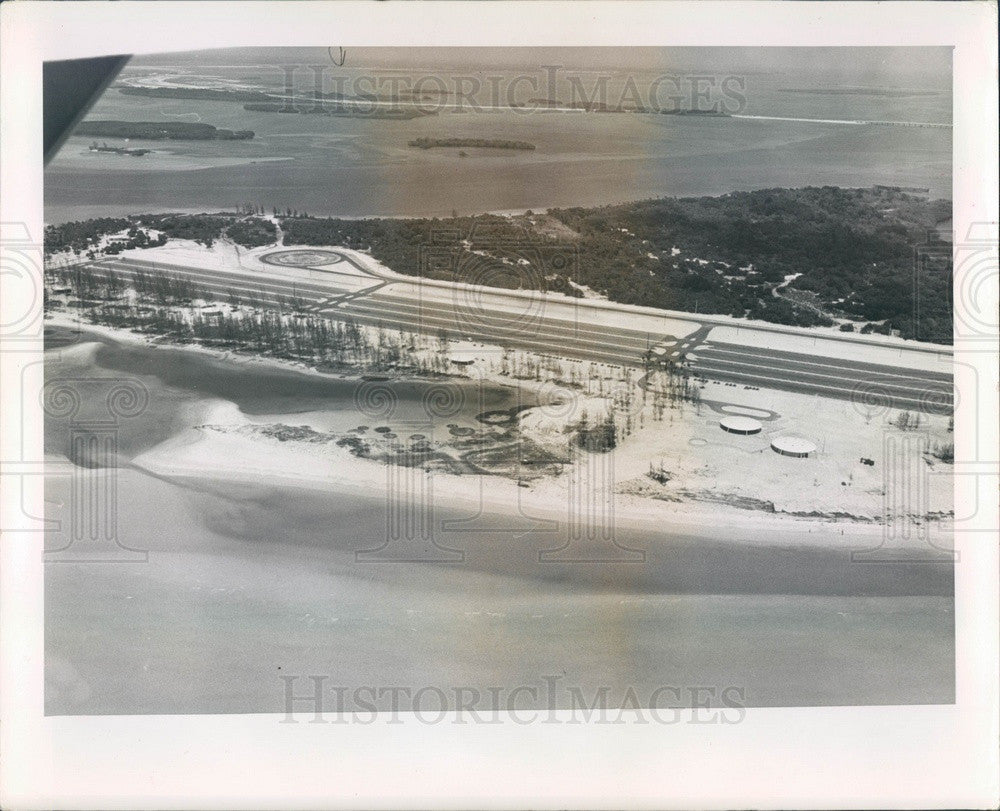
{"x": 869, "y": 385}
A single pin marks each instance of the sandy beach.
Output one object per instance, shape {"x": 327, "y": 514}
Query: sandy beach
{"x": 225, "y": 446}
{"x": 247, "y": 458}
{"x": 268, "y": 548}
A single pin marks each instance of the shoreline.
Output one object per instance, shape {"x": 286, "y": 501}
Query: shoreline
{"x": 540, "y": 208}
{"x": 194, "y": 453}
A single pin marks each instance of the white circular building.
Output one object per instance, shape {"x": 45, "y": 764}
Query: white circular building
{"x": 792, "y": 446}
{"x": 745, "y": 426}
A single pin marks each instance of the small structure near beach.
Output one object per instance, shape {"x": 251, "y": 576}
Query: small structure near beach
{"x": 464, "y": 353}
{"x": 745, "y": 426}
{"x": 793, "y": 446}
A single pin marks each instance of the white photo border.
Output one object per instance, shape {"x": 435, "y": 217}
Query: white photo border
{"x": 851, "y": 757}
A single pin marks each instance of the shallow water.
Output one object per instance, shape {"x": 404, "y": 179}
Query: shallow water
{"x": 175, "y": 382}
{"x": 240, "y": 585}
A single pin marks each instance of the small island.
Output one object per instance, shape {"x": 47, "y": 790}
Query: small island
{"x": 482, "y": 143}
{"x": 160, "y": 131}
{"x": 199, "y": 93}
{"x": 584, "y": 106}
{"x": 601, "y": 107}
{"x": 118, "y": 150}
{"x": 344, "y": 109}
{"x": 714, "y": 113}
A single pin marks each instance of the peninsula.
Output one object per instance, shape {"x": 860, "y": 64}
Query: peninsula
{"x": 160, "y": 131}
{"x": 482, "y": 143}
{"x": 340, "y": 108}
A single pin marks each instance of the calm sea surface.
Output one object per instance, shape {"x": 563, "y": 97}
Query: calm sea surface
{"x": 363, "y": 167}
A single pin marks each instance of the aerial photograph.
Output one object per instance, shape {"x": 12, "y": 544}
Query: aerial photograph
{"x": 501, "y": 379}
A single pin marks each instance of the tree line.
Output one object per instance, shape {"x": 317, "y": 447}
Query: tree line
{"x": 869, "y": 257}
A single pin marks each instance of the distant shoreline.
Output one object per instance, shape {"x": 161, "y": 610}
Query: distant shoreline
{"x": 478, "y": 143}
{"x": 101, "y": 210}
{"x": 160, "y": 131}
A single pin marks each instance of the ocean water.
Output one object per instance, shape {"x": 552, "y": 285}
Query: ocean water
{"x": 244, "y": 584}
{"x": 360, "y": 167}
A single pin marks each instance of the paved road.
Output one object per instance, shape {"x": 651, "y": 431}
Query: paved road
{"x": 869, "y": 385}
{"x": 328, "y": 293}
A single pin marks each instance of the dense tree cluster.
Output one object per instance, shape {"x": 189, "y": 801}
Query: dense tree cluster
{"x": 868, "y": 254}
{"x": 483, "y": 143}
{"x": 252, "y": 232}
{"x": 160, "y": 130}
{"x": 81, "y": 236}
{"x": 198, "y": 227}
{"x": 137, "y": 238}
{"x": 85, "y": 237}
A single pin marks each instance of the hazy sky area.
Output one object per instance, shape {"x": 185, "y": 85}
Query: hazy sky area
{"x": 844, "y": 66}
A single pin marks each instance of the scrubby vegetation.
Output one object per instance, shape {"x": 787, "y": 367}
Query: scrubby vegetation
{"x": 80, "y": 237}
{"x": 109, "y": 235}
{"x": 160, "y": 130}
{"x": 869, "y": 258}
{"x": 945, "y": 452}
{"x": 865, "y": 254}
{"x": 482, "y": 143}
{"x": 789, "y": 256}
{"x": 252, "y": 232}
{"x": 198, "y": 227}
